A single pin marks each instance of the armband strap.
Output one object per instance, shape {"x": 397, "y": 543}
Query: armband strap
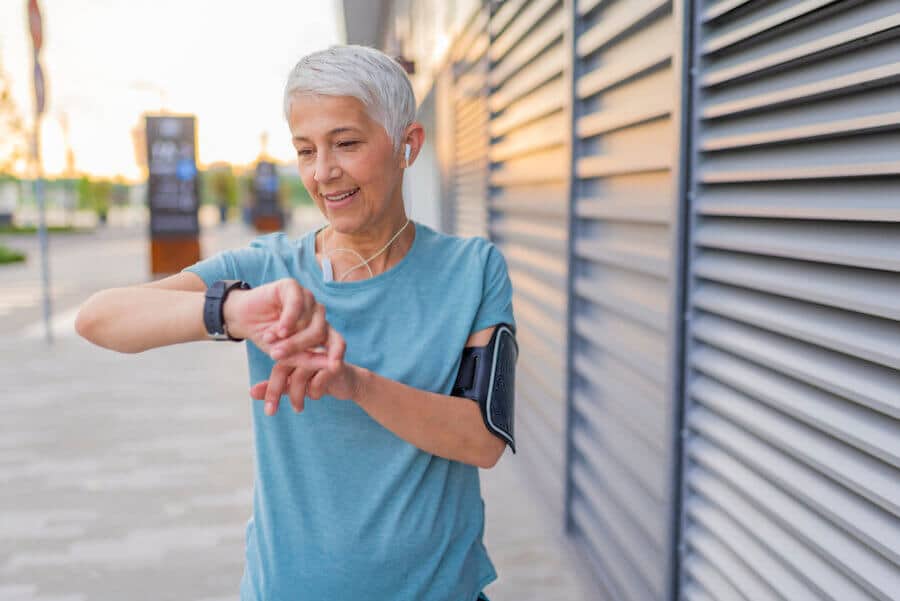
{"x": 487, "y": 376}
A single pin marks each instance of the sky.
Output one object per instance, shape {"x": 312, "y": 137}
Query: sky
{"x": 106, "y": 62}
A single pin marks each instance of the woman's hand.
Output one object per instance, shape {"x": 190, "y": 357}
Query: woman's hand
{"x": 281, "y": 311}
{"x": 309, "y": 374}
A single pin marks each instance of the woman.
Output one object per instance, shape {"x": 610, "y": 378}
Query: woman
{"x": 371, "y": 490}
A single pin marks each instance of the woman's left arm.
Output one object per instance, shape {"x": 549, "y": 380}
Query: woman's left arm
{"x": 446, "y": 426}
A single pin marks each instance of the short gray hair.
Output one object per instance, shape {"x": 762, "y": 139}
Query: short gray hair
{"x": 367, "y": 74}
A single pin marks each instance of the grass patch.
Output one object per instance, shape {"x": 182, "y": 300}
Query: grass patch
{"x": 32, "y": 229}
{"x": 9, "y": 255}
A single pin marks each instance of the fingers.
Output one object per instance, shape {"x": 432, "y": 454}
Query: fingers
{"x": 336, "y": 347}
{"x": 299, "y": 386}
{"x": 293, "y": 303}
{"x": 314, "y": 334}
{"x": 276, "y": 386}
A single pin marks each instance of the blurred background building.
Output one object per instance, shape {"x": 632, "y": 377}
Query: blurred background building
{"x": 699, "y": 207}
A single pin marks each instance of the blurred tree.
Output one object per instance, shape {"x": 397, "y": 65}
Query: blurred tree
{"x": 13, "y": 134}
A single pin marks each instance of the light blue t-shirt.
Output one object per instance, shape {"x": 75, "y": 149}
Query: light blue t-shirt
{"x": 344, "y": 509}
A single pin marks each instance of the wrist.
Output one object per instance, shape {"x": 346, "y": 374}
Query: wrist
{"x": 231, "y": 313}
{"x": 363, "y": 380}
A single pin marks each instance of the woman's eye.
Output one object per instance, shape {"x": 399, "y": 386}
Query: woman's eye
{"x": 305, "y": 152}
{"x": 348, "y": 143}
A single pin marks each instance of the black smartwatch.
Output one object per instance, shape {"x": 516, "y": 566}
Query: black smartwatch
{"x": 213, "y": 306}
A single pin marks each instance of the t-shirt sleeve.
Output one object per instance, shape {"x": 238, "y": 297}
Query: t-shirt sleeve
{"x": 496, "y": 297}
{"x": 220, "y": 266}
{"x": 247, "y": 264}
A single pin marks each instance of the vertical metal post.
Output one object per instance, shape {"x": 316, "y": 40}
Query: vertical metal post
{"x": 683, "y": 65}
{"x": 42, "y": 226}
{"x": 570, "y": 37}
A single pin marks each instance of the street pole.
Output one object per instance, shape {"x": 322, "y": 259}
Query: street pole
{"x": 35, "y": 25}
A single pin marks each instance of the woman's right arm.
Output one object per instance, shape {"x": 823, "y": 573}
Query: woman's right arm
{"x": 170, "y": 311}
{"x": 137, "y": 318}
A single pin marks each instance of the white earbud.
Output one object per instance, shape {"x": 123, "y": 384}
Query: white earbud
{"x": 406, "y": 154}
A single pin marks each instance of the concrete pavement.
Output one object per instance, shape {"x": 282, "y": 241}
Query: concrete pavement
{"x": 130, "y": 476}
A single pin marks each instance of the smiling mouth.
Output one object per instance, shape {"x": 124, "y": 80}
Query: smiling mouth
{"x": 340, "y": 196}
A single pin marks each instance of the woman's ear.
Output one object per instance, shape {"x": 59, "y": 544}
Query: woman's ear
{"x": 413, "y": 140}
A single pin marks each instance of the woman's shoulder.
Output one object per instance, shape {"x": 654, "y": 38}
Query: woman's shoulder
{"x": 450, "y": 247}
{"x": 277, "y": 242}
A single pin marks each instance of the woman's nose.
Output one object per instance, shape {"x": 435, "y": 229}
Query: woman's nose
{"x": 325, "y": 170}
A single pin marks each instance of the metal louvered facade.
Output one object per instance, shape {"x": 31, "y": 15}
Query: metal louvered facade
{"x": 699, "y": 205}
{"x": 792, "y": 450}
{"x": 528, "y": 211}
{"x": 471, "y": 115}
{"x": 622, "y": 494}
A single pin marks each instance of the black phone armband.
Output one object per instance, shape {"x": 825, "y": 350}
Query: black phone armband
{"x": 487, "y": 375}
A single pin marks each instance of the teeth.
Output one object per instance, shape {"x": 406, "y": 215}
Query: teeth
{"x": 340, "y": 196}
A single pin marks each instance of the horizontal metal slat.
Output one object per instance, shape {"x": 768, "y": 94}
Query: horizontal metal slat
{"x": 870, "y": 292}
{"x": 875, "y": 246}
{"x": 715, "y": 43}
{"x": 634, "y": 306}
{"x": 815, "y": 49}
{"x": 607, "y": 121}
{"x": 654, "y": 212}
{"x": 867, "y": 522}
{"x": 631, "y": 454}
{"x": 583, "y": 7}
{"x": 875, "y": 434}
{"x": 475, "y": 26}
{"x": 729, "y": 564}
{"x": 547, "y": 99}
{"x": 806, "y": 133}
{"x": 646, "y": 518}
{"x": 536, "y": 288}
{"x": 542, "y": 324}
{"x": 650, "y": 261}
{"x": 859, "y": 472}
{"x": 541, "y": 209}
{"x": 517, "y": 30}
{"x": 614, "y": 567}
{"x": 548, "y": 33}
{"x": 628, "y": 342}
{"x": 541, "y": 135}
{"x": 605, "y": 166}
{"x": 550, "y": 409}
{"x": 619, "y": 23}
{"x": 871, "y": 339}
{"x": 773, "y": 174}
{"x": 866, "y": 384}
{"x": 848, "y": 200}
{"x": 720, "y": 9}
{"x": 538, "y": 168}
{"x": 614, "y": 400}
{"x": 778, "y": 577}
{"x": 550, "y": 234}
{"x": 843, "y": 84}
{"x": 545, "y": 68}
{"x": 540, "y": 264}
{"x": 850, "y": 566}
{"x": 710, "y": 581}
{"x": 615, "y": 74}
{"x": 541, "y": 447}
{"x": 631, "y": 541}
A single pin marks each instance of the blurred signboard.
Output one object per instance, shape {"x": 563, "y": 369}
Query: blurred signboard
{"x": 172, "y": 186}
{"x": 267, "y": 214}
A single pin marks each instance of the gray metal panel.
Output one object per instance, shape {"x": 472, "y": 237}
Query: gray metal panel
{"x": 792, "y": 452}
{"x": 626, "y": 137}
{"x": 528, "y": 219}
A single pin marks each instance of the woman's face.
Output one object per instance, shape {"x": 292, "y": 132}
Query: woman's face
{"x": 346, "y": 161}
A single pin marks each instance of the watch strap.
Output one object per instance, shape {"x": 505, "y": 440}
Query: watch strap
{"x": 213, "y": 308}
